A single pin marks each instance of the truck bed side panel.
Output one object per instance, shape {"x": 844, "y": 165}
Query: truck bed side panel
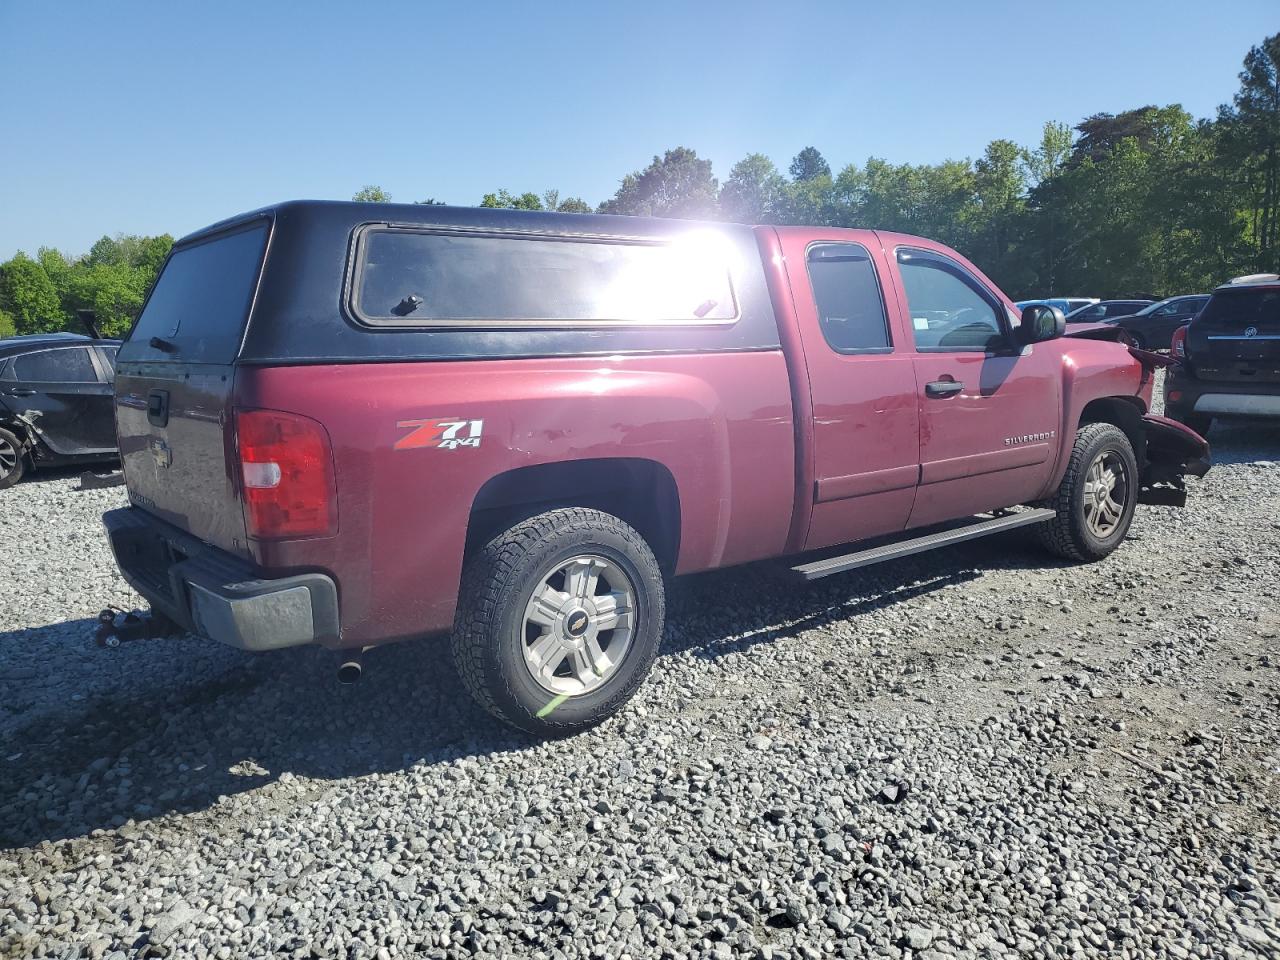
{"x": 720, "y": 423}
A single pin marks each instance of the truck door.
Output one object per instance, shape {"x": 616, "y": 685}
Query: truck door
{"x": 865, "y": 429}
{"x": 63, "y": 397}
{"x": 989, "y": 410}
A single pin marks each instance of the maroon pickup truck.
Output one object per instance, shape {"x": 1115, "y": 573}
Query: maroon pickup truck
{"x": 349, "y": 424}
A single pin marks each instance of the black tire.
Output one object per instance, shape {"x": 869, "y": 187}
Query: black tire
{"x": 13, "y": 463}
{"x": 1138, "y": 340}
{"x": 1069, "y": 534}
{"x": 1201, "y": 423}
{"x": 490, "y": 631}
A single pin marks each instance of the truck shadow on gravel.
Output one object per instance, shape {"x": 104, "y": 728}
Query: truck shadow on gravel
{"x": 161, "y": 748}
{"x": 1234, "y": 442}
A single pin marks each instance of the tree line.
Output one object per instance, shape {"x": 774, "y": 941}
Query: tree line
{"x": 1147, "y": 202}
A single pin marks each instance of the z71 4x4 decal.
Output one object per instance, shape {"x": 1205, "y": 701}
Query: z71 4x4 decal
{"x": 442, "y": 434}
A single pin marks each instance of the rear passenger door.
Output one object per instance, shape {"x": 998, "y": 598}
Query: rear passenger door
{"x": 989, "y": 409}
{"x": 866, "y": 421}
{"x": 64, "y": 397}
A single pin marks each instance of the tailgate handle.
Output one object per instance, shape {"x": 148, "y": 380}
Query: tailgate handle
{"x": 158, "y": 408}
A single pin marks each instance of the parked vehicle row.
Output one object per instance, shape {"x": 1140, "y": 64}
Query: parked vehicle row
{"x": 513, "y": 427}
{"x": 1064, "y": 304}
{"x": 56, "y": 403}
{"x": 1150, "y": 325}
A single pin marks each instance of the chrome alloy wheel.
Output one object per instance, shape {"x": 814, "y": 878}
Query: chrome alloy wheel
{"x": 578, "y": 624}
{"x": 1106, "y": 491}
{"x": 8, "y": 458}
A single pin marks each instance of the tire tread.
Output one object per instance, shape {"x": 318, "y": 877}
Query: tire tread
{"x": 1059, "y": 535}
{"x": 483, "y": 581}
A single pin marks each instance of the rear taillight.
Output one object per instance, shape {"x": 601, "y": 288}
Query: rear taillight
{"x": 286, "y": 472}
{"x": 1178, "y": 347}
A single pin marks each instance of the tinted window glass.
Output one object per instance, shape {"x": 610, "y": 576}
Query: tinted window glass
{"x": 847, "y": 294}
{"x": 948, "y": 311}
{"x": 424, "y": 278}
{"x": 56, "y": 366}
{"x": 109, "y": 355}
{"x": 1093, "y": 312}
{"x": 201, "y": 301}
{"x": 1236, "y": 310}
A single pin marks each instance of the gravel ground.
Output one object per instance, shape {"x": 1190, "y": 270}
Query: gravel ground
{"x": 978, "y": 752}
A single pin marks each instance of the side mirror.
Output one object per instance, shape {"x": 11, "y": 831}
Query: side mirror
{"x": 1041, "y": 322}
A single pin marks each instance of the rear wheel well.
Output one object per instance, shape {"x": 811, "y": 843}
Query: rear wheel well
{"x": 1123, "y": 412}
{"x": 19, "y": 430}
{"x": 642, "y": 493}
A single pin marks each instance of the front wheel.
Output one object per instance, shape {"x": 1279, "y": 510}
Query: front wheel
{"x": 1096, "y": 500}
{"x": 559, "y": 620}
{"x": 12, "y": 462}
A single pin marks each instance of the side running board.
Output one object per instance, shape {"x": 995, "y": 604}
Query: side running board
{"x": 904, "y": 548}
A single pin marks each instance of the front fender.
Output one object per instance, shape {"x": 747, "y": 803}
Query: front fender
{"x": 1173, "y": 451}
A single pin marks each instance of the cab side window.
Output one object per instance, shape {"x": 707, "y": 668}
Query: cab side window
{"x": 950, "y": 310}
{"x": 846, "y": 292}
{"x": 69, "y": 365}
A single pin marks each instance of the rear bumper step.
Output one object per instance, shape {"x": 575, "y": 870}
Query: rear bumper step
{"x": 905, "y": 548}
{"x": 214, "y": 594}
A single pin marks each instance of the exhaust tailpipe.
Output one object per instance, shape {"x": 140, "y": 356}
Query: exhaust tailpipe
{"x": 350, "y": 669}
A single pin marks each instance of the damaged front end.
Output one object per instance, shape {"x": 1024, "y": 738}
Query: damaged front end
{"x": 1173, "y": 451}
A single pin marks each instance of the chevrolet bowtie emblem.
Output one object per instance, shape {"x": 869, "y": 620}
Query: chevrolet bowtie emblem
{"x": 161, "y": 453}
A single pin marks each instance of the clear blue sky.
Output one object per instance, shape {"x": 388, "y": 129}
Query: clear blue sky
{"x": 152, "y": 117}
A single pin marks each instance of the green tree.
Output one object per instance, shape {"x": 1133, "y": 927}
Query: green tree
{"x": 1050, "y": 157}
{"x": 809, "y": 164}
{"x": 525, "y": 201}
{"x": 551, "y": 201}
{"x": 754, "y": 192}
{"x": 1000, "y": 186}
{"x": 371, "y": 193}
{"x": 1103, "y": 132}
{"x": 114, "y": 292}
{"x": 677, "y": 184}
{"x": 28, "y": 297}
{"x": 1250, "y": 128}
{"x": 573, "y": 205}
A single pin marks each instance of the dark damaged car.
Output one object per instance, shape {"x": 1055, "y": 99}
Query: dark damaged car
{"x": 56, "y": 405}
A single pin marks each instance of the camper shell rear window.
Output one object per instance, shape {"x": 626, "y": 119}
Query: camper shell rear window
{"x": 448, "y": 278}
{"x": 199, "y": 306}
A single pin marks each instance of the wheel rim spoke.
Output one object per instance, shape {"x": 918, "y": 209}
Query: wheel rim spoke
{"x": 564, "y": 653}
{"x": 1103, "y": 510}
{"x": 581, "y": 578}
{"x": 546, "y": 654}
{"x": 546, "y": 605}
{"x": 610, "y": 609}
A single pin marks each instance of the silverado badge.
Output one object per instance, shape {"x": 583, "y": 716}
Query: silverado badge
{"x": 1030, "y": 438}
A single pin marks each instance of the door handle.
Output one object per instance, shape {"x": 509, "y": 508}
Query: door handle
{"x": 20, "y": 392}
{"x": 943, "y": 388}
